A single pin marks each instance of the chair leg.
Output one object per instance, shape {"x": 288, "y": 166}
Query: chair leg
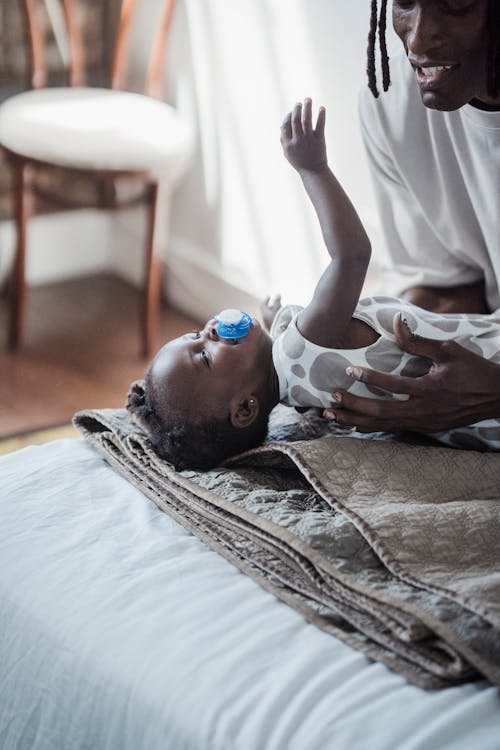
{"x": 153, "y": 275}
{"x": 23, "y": 209}
{"x": 106, "y": 192}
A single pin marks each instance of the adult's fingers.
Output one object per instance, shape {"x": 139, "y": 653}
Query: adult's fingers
{"x": 297, "y": 120}
{"x": 343, "y": 402}
{"x": 437, "y": 350}
{"x": 372, "y": 415}
{"x": 358, "y": 420}
{"x": 431, "y": 349}
{"x": 415, "y": 414}
{"x": 389, "y": 382}
{"x": 307, "y": 116}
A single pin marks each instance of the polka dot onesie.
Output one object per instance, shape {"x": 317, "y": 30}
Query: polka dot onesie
{"x": 308, "y": 373}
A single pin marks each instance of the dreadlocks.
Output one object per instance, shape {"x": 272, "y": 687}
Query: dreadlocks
{"x": 372, "y": 43}
{"x": 492, "y": 52}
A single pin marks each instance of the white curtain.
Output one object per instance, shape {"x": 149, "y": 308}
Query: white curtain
{"x": 241, "y": 223}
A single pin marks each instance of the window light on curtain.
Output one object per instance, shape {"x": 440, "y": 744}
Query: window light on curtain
{"x": 250, "y": 61}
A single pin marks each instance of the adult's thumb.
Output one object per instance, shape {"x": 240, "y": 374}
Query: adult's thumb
{"x": 414, "y": 344}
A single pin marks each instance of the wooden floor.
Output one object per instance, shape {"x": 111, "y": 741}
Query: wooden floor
{"x": 80, "y": 350}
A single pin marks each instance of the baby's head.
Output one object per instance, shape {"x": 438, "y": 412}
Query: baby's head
{"x": 206, "y": 398}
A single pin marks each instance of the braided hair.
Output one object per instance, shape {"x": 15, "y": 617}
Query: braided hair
{"x": 493, "y": 50}
{"x": 380, "y": 21}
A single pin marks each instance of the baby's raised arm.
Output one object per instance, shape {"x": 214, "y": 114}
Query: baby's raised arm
{"x": 324, "y": 321}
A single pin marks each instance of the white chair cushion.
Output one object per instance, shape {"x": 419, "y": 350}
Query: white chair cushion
{"x": 93, "y": 128}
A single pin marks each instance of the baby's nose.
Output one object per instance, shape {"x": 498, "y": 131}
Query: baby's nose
{"x": 211, "y": 330}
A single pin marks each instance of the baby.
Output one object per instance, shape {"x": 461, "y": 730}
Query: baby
{"x": 208, "y": 395}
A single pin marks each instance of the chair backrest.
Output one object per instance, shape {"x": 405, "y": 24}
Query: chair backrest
{"x": 68, "y": 34}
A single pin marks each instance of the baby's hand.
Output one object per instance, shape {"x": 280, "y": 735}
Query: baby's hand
{"x": 303, "y": 145}
{"x": 268, "y": 309}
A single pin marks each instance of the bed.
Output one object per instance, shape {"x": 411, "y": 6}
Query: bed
{"x": 121, "y": 629}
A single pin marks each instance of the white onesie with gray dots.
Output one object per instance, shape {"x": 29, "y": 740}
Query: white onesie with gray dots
{"x": 308, "y": 373}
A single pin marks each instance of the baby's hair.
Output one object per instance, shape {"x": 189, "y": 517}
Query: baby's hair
{"x": 380, "y": 20}
{"x": 201, "y": 445}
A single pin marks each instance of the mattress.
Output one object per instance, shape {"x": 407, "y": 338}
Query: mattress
{"x": 120, "y": 630}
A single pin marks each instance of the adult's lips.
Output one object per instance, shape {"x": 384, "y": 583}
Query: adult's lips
{"x": 431, "y": 74}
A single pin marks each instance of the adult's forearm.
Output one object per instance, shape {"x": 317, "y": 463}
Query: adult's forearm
{"x": 467, "y": 298}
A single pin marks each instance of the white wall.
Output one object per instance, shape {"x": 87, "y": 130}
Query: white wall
{"x": 240, "y": 223}
{"x": 241, "y": 213}
{"x": 61, "y": 246}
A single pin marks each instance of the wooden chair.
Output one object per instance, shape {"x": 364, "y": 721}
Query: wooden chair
{"x": 107, "y": 133}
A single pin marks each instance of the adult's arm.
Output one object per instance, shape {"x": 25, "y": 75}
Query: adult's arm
{"x": 460, "y": 388}
{"x": 466, "y": 298}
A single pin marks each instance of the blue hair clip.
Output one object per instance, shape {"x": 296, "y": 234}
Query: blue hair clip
{"x": 233, "y": 324}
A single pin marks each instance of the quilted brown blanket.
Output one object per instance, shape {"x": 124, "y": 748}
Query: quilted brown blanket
{"x": 392, "y": 547}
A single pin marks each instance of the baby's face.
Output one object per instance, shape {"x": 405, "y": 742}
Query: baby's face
{"x": 199, "y": 373}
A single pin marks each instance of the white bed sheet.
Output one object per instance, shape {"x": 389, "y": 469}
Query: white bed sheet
{"x": 121, "y": 631}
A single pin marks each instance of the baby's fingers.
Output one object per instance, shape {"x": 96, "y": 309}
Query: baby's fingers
{"x": 297, "y": 120}
{"x": 319, "y": 130}
{"x": 286, "y": 127}
{"x": 307, "y": 116}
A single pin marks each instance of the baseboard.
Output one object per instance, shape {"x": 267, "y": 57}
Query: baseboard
{"x": 196, "y": 285}
{"x": 87, "y": 242}
{"x": 81, "y": 243}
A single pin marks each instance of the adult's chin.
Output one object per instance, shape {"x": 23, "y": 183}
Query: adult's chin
{"x": 442, "y": 101}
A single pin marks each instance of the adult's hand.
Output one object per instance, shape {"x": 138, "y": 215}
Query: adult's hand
{"x": 460, "y": 388}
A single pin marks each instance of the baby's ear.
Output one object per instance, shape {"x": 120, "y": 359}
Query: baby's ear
{"x": 137, "y": 404}
{"x": 244, "y": 411}
{"x": 136, "y": 397}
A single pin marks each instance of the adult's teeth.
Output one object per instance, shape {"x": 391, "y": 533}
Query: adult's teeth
{"x": 434, "y": 70}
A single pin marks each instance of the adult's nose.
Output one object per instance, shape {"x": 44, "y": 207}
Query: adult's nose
{"x": 423, "y": 31}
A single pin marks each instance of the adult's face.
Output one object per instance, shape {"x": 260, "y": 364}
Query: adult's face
{"x": 446, "y": 43}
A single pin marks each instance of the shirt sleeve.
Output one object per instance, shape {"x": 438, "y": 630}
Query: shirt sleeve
{"x": 283, "y": 319}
